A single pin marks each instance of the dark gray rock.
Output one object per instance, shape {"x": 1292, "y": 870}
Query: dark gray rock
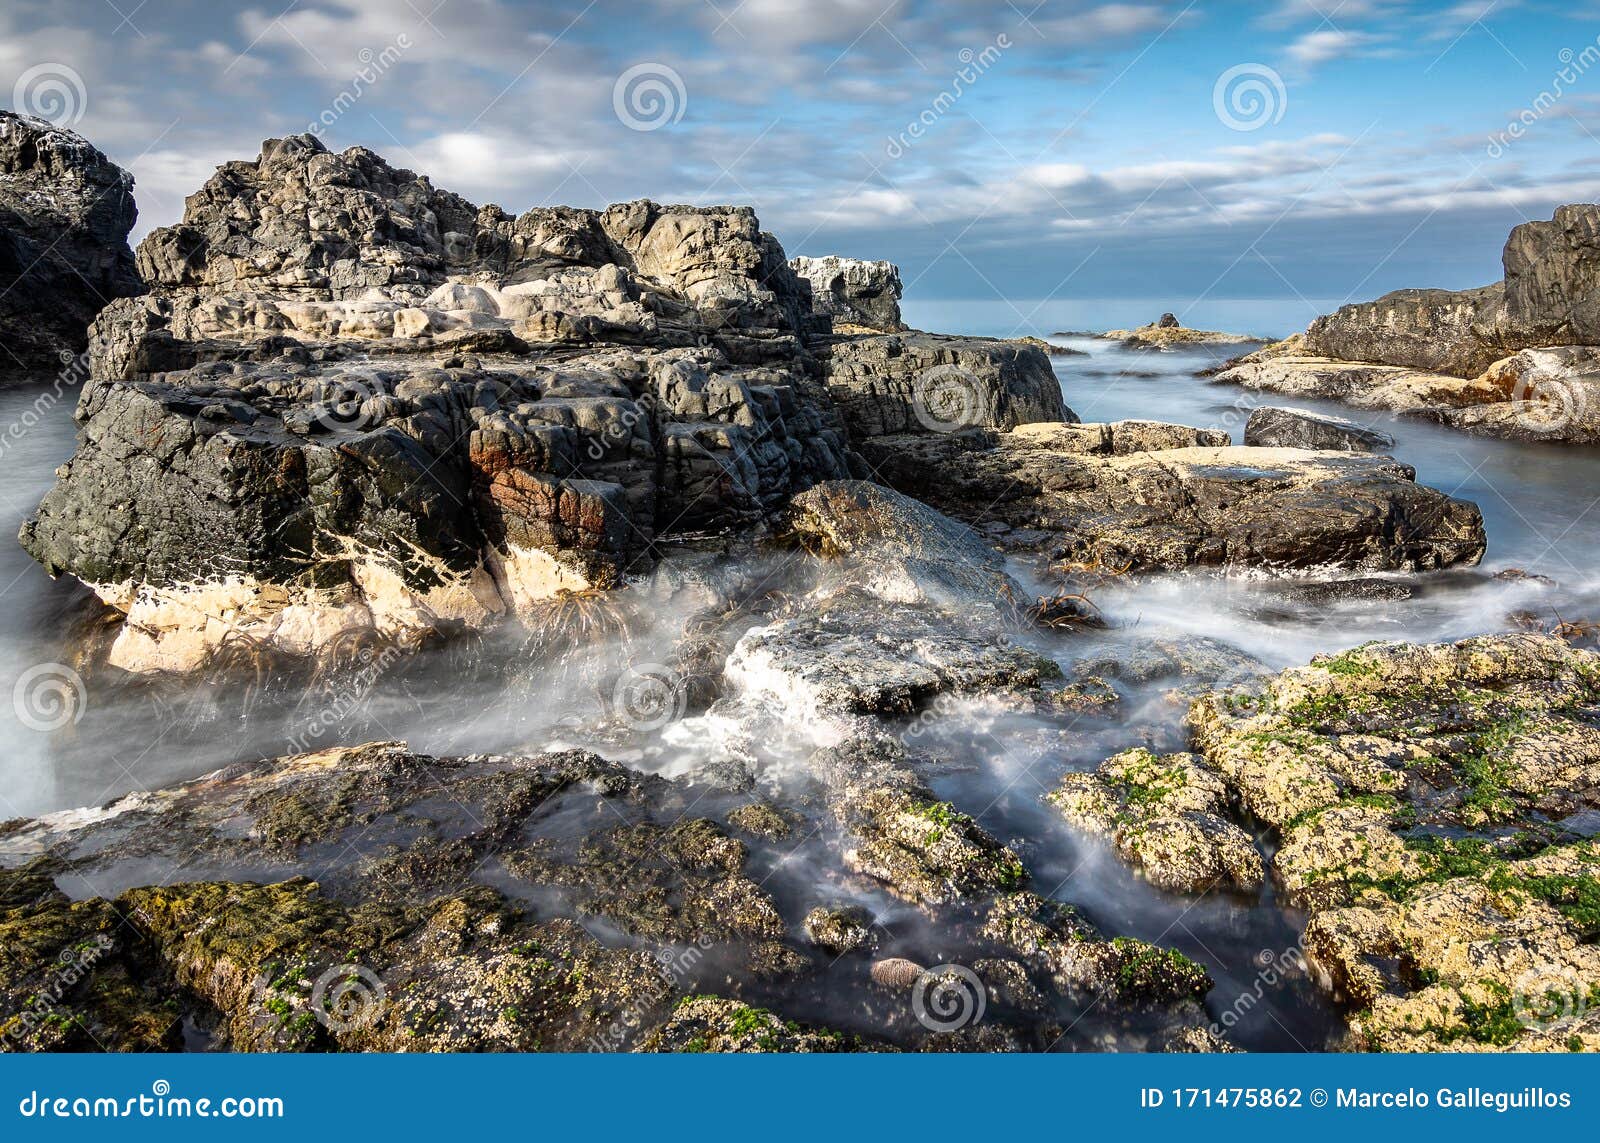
{"x": 1272, "y": 426}
{"x": 928, "y": 383}
{"x": 1550, "y": 296}
{"x": 65, "y": 213}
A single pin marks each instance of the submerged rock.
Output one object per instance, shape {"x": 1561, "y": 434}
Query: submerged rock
{"x": 1270, "y": 426}
{"x": 1418, "y": 794}
{"x": 65, "y": 214}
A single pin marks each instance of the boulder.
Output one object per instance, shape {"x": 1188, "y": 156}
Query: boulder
{"x": 852, "y": 291}
{"x": 928, "y": 383}
{"x": 901, "y": 550}
{"x": 65, "y": 214}
{"x": 1167, "y": 817}
{"x": 1271, "y": 426}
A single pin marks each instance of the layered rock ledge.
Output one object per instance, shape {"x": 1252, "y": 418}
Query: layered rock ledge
{"x": 1517, "y": 359}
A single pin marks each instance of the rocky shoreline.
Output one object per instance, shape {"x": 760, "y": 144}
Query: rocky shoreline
{"x": 1519, "y": 359}
{"x": 353, "y": 414}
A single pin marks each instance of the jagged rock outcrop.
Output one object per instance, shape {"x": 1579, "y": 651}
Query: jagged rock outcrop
{"x": 353, "y": 402}
{"x": 1453, "y": 355}
{"x": 852, "y": 291}
{"x": 65, "y": 213}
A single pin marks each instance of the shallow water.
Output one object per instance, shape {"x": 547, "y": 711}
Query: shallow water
{"x": 505, "y": 693}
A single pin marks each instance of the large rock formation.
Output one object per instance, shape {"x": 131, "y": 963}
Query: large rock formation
{"x": 852, "y": 291}
{"x": 1460, "y": 356}
{"x": 65, "y": 213}
{"x": 353, "y": 402}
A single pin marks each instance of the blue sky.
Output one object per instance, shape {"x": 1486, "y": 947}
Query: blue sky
{"x": 1090, "y": 150}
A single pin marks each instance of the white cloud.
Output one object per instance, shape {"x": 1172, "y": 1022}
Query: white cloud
{"x": 1327, "y": 44}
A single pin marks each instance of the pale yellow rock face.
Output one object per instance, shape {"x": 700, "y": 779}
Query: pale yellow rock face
{"x": 178, "y": 629}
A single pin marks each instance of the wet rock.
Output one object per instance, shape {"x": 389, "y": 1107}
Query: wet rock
{"x": 438, "y": 893}
{"x": 713, "y": 1024}
{"x": 853, "y": 654}
{"x": 65, "y": 213}
{"x": 852, "y": 291}
{"x": 759, "y": 819}
{"x": 74, "y": 976}
{"x": 842, "y": 930}
{"x": 354, "y": 404}
{"x": 1166, "y": 816}
{"x": 1273, "y": 427}
{"x": 1191, "y": 506}
{"x": 901, "y": 550}
{"x": 1154, "y": 656}
{"x": 1055, "y": 939}
{"x": 1418, "y": 791}
{"x": 929, "y": 383}
{"x": 902, "y": 836}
